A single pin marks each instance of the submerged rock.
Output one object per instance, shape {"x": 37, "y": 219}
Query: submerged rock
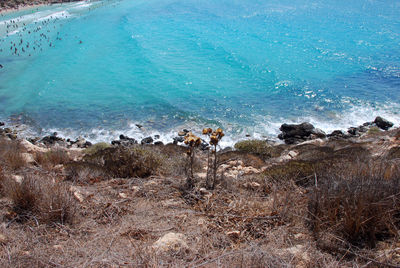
{"x": 383, "y": 123}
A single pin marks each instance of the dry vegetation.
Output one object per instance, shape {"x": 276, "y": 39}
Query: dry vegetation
{"x": 330, "y": 205}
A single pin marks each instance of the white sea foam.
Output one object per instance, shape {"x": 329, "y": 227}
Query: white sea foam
{"x": 56, "y": 15}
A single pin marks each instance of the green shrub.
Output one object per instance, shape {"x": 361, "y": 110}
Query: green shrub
{"x": 373, "y": 131}
{"x": 258, "y": 147}
{"x": 96, "y": 148}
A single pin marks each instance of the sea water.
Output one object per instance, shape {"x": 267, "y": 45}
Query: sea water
{"x": 97, "y": 69}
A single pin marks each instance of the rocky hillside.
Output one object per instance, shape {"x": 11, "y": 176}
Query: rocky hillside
{"x": 312, "y": 202}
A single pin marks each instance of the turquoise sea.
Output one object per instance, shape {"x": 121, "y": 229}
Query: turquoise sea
{"x": 97, "y": 68}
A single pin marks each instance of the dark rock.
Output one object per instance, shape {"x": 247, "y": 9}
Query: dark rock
{"x": 147, "y": 140}
{"x": 80, "y": 142}
{"x": 116, "y": 142}
{"x": 300, "y": 130}
{"x": 353, "y": 131}
{"x": 139, "y": 126}
{"x": 51, "y": 140}
{"x": 204, "y": 146}
{"x": 178, "y": 139}
{"x": 2, "y": 124}
{"x": 383, "y": 123}
{"x": 156, "y": 137}
{"x": 183, "y": 132}
{"x": 124, "y": 141}
{"x": 33, "y": 140}
{"x": 12, "y": 136}
{"x": 87, "y": 144}
{"x": 7, "y": 130}
{"x": 318, "y": 133}
{"x": 294, "y": 133}
{"x": 158, "y": 143}
{"x": 338, "y": 134}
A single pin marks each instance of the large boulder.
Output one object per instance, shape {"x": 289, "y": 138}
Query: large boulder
{"x": 294, "y": 133}
{"x": 383, "y": 123}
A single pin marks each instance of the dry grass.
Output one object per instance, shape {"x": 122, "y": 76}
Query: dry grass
{"x": 10, "y": 154}
{"x": 355, "y": 205}
{"x": 51, "y": 158}
{"x": 40, "y": 199}
{"x": 139, "y": 161}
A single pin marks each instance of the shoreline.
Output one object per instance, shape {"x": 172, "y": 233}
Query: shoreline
{"x": 28, "y": 6}
{"x": 289, "y": 134}
{"x": 7, "y": 11}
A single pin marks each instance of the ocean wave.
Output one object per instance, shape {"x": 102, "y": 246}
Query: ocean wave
{"x": 56, "y": 15}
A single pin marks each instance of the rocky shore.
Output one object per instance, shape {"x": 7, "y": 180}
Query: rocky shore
{"x": 290, "y": 134}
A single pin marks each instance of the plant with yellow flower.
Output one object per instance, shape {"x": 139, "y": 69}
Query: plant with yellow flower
{"x": 215, "y": 137}
{"x": 192, "y": 141}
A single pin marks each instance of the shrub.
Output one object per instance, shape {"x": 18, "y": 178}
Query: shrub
{"x": 301, "y": 172}
{"x": 84, "y": 172}
{"x": 258, "y": 147}
{"x": 51, "y": 158}
{"x": 96, "y": 148}
{"x": 357, "y": 210}
{"x": 373, "y": 130}
{"x": 394, "y": 153}
{"x": 10, "y": 154}
{"x": 135, "y": 161}
{"x": 40, "y": 199}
